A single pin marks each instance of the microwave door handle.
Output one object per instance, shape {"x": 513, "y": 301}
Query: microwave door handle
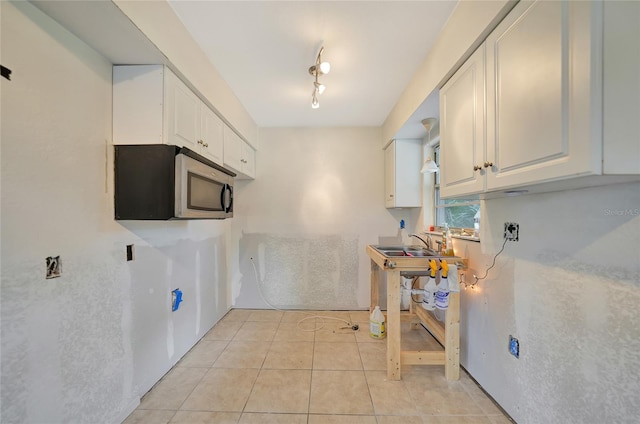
{"x": 229, "y": 207}
{"x": 223, "y": 198}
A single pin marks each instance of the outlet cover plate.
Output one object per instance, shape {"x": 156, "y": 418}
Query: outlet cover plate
{"x": 514, "y": 346}
{"x": 511, "y": 231}
{"x": 54, "y": 267}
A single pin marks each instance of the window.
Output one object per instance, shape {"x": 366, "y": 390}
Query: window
{"x": 455, "y": 213}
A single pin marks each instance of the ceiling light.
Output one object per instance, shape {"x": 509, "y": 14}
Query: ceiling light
{"x": 429, "y": 166}
{"x": 320, "y": 68}
{"x": 428, "y": 124}
{"x": 325, "y": 67}
{"x": 319, "y": 87}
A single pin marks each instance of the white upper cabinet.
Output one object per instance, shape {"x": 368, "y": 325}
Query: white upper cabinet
{"x": 238, "y": 155}
{"x": 402, "y": 177}
{"x": 462, "y": 126}
{"x": 544, "y": 119}
{"x": 542, "y": 93}
{"x": 151, "y": 105}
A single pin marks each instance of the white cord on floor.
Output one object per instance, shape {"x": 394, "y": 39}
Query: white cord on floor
{"x": 351, "y": 326}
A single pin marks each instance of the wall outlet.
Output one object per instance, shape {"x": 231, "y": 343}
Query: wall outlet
{"x": 514, "y": 346}
{"x": 511, "y": 231}
{"x": 54, "y": 267}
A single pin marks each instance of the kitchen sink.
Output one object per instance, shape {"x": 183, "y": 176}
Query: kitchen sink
{"x": 406, "y": 251}
{"x": 408, "y": 268}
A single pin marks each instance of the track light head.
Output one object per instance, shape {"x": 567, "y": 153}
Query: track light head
{"x": 324, "y": 67}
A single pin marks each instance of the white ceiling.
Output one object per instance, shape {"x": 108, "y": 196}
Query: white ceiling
{"x": 263, "y": 50}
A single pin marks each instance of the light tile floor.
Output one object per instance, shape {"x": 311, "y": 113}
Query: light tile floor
{"x": 258, "y": 366}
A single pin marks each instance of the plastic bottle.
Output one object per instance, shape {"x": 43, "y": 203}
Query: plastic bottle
{"x": 476, "y": 224}
{"x": 448, "y": 251}
{"x": 376, "y": 324}
{"x": 442, "y": 295}
{"x": 429, "y": 293}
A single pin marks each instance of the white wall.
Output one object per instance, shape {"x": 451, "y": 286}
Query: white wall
{"x": 569, "y": 290}
{"x": 84, "y": 347}
{"x": 316, "y": 202}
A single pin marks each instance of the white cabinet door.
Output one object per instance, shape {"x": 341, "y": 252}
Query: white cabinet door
{"x": 232, "y": 150}
{"x": 403, "y": 180}
{"x": 462, "y": 124}
{"x": 540, "y": 95}
{"x": 390, "y": 175}
{"x": 248, "y": 160}
{"x": 183, "y": 114}
{"x": 211, "y": 135}
{"x": 238, "y": 155}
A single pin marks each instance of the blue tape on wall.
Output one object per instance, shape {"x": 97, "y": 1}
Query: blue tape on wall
{"x": 176, "y": 297}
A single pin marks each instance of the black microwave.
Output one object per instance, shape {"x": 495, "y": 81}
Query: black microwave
{"x": 161, "y": 182}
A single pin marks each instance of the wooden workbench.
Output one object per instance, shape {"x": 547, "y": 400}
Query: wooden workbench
{"x": 448, "y": 335}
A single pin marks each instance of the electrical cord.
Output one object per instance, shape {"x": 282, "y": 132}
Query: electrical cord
{"x": 413, "y": 286}
{"x": 350, "y": 325}
{"x": 492, "y": 265}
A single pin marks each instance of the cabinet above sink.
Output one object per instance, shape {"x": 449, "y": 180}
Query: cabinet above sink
{"x": 402, "y": 177}
{"x": 525, "y": 111}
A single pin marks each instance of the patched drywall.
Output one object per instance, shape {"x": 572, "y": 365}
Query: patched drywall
{"x": 568, "y": 290}
{"x": 83, "y": 348}
{"x": 160, "y": 337}
{"x": 316, "y": 203}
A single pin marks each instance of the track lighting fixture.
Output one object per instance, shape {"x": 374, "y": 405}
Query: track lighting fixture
{"x": 320, "y": 68}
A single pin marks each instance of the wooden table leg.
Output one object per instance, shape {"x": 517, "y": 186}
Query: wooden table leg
{"x": 414, "y": 325}
{"x": 452, "y": 338}
{"x": 393, "y": 325}
{"x": 375, "y": 286}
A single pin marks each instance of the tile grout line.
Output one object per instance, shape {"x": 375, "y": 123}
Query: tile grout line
{"x": 261, "y": 365}
{"x": 364, "y": 373}
{"x": 313, "y": 357}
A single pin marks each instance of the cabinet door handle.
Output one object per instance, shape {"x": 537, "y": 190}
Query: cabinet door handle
{"x": 488, "y": 164}
{"x": 205, "y": 144}
{"x": 200, "y": 142}
{"x": 477, "y": 168}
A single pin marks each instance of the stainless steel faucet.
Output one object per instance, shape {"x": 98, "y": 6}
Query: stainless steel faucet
{"x": 428, "y": 244}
